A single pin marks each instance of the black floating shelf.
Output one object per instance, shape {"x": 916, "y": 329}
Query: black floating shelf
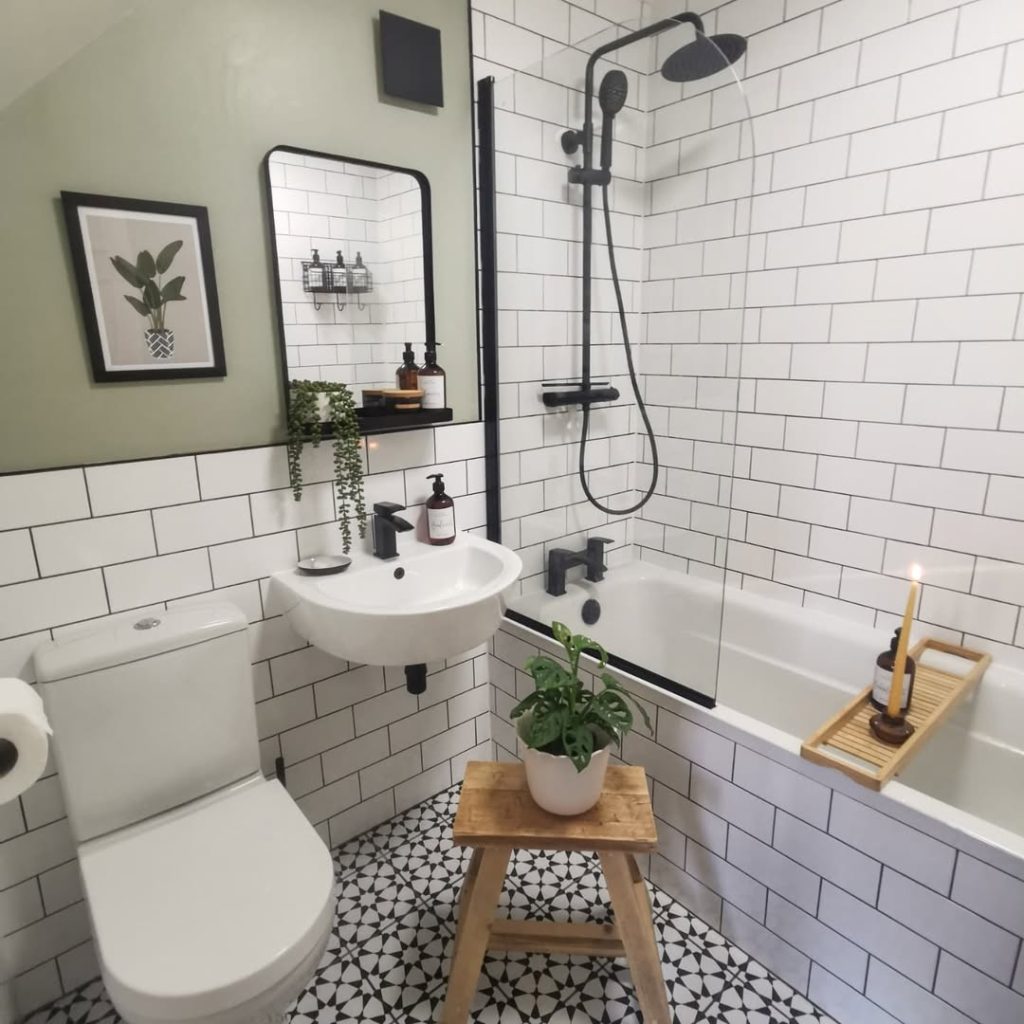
{"x": 375, "y": 421}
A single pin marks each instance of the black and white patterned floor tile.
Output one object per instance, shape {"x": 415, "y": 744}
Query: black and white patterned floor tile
{"x": 387, "y": 959}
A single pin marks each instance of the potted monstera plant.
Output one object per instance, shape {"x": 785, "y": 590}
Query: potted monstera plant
{"x": 146, "y": 274}
{"x": 568, "y": 730}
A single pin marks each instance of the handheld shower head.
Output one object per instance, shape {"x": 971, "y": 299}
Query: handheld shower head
{"x": 611, "y": 97}
{"x": 612, "y": 93}
{"x": 704, "y": 56}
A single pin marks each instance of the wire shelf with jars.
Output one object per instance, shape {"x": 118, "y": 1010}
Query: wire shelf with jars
{"x": 337, "y": 278}
{"x": 350, "y": 279}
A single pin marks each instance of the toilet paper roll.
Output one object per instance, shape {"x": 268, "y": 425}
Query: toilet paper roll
{"x": 24, "y": 738}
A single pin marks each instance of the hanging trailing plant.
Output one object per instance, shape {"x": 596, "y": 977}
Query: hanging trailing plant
{"x": 342, "y": 424}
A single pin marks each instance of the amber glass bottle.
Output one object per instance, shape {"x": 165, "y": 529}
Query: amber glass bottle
{"x": 407, "y": 375}
{"x": 432, "y": 381}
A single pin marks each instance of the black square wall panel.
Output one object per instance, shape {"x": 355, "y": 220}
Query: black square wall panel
{"x": 411, "y": 59}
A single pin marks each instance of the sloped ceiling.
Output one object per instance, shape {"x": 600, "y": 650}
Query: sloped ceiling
{"x": 38, "y": 36}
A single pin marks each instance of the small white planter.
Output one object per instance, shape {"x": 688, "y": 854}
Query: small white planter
{"x": 557, "y": 787}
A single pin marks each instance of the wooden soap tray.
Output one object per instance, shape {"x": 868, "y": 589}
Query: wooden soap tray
{"x": 847, "y": 743}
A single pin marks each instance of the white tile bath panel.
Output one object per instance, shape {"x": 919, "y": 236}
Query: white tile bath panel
{"x": 909, "y": 1001}
{"x": 891, "y": 842}
{"x": 766, "y": 947}
{"x": 827, "y": 856}
{"x": 778, "y": 872}
{"x": 721, "y": 877}
{"x": 827, "y": 947}
{"x": 953, "y": 928}
{"x": 990, "y": 892}
{"x": 130, "y": 486}
{"x": 732, "y": 803}
{"x": 30, "y": 499}
{"x": 976, "y": 994}
{"x": 842, "y": 1002}
{"x": 690, "y": 819}
{"x": 697, "y": 744}
{"x": 888, "y": 940}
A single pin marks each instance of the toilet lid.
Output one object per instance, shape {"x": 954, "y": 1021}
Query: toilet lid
{"x": 204, "y": 908}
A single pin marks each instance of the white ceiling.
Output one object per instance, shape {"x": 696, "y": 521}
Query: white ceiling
{"x": 38, "y": 36}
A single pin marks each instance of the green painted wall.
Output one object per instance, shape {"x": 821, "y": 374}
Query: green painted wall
{"x": 180, "y": 102}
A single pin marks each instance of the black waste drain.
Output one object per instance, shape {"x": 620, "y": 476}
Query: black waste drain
{"x": 591, "y": 611}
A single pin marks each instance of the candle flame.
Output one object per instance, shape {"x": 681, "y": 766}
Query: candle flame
{"x": 915, "y": 572}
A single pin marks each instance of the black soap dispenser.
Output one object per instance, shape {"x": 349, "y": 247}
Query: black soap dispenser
{"x": 440, "y": 513}
{"x": 884, "y": 665}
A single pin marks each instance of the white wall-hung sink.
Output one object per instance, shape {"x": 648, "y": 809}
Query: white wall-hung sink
{"x": 429, "y": 603}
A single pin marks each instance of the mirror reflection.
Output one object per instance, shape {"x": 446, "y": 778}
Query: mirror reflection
{"x": 354, "y": 279}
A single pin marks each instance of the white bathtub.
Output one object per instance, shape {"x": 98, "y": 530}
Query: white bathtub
{"x": 781, "y": 671}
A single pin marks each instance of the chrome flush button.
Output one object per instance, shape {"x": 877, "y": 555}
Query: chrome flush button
{"x": 147, "y": 623}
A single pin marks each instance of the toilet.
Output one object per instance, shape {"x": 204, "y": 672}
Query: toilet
{"x": 210, "y": 893}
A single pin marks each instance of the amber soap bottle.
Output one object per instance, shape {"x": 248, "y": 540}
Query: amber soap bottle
{"x": 884, "y": 665}
{"x": 432, "y": 381}
{"x": 440, "y": 513}
{"x": 407, "y": 375}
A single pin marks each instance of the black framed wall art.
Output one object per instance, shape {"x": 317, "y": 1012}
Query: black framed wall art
{"x": 146, "y": 284}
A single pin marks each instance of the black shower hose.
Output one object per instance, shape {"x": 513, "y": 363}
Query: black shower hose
{"x": 632, "y": 379}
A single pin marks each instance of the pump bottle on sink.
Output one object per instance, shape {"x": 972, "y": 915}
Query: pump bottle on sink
{"x": 440, "y": 513}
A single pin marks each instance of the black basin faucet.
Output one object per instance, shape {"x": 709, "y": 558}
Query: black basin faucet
{"x": 385, "y": 526}
{"x": 561, "y": 559}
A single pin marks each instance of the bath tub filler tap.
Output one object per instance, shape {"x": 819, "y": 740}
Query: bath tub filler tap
{"x": 562, "y": 559}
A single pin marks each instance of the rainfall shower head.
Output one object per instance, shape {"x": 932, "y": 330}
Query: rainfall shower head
{"x": 612, "y": 93}
{"x": 704, "y": 56}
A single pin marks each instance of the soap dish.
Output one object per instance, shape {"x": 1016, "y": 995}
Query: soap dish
{"x": 323, "y": 565}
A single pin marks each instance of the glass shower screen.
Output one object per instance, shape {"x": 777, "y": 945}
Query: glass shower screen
{"x": 619, "y": 341}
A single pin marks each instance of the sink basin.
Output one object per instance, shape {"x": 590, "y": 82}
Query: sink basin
{"x": 429, "y": 603}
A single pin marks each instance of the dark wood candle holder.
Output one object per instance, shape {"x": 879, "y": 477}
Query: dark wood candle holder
{"x": 894, "y": 731}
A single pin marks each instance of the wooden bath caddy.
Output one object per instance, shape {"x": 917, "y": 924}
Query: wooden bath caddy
{"x": 847, "y": 743}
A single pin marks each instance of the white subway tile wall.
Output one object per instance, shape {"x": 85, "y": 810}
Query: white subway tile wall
{"x": 860, "y": 348}
{"x": 539, "y": 291}
{"x": 356, "y": 745}
{"x": 872, "y": 918}
{"x": 883, "y": 328}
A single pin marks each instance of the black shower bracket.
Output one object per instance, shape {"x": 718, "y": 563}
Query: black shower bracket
{"x": 572, "y": 393}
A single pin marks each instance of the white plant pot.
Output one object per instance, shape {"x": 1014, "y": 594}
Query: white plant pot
{"x": 557, "y": 787}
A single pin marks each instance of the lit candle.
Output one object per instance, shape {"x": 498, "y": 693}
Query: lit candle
{"x": 898, "y": 669}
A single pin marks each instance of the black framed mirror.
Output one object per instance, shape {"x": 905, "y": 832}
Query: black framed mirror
{"x": 353, "y": 271}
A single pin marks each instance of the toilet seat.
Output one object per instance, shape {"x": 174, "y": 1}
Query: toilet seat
{"x": 207, "y": 907}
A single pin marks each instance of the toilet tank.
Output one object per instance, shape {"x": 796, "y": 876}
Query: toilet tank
{"x": 149, "y": 714}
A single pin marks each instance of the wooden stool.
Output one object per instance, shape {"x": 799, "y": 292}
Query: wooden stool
{"x": 496, "y": 814}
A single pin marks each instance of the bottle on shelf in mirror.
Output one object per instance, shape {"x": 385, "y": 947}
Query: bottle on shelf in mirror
{"x": 432, "y": 380}
{"x": 360, "y": 277}
{"x": 315, "y": 272}
{"x": 407, "y": 374}
{"x": 339, "y": 273}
